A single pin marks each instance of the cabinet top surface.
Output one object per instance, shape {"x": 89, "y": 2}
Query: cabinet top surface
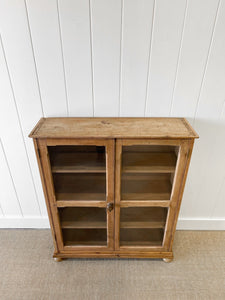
{"x": 113, "y": 128}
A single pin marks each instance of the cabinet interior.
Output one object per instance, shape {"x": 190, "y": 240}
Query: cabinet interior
{"x": 83, "y": 226}
{"x": 147, "y": 172}
{"x": 79, "y": 174}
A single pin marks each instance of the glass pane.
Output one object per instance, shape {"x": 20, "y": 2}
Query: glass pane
{"x": 79, "y": 172}
{"x": 148, "y": 172}
{"x": 142, "y": 226}
{"x": 83, "y": 226}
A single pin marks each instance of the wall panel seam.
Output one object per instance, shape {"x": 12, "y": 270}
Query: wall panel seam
{"x": 10, "y": 174}
{"x": 35, "y": 64}
{"x": 92, "y": 64}
{"x": 20, "y": 125}
{"x": 207, "y": 62}
{"x": 121, "y": 55}
{"x": 1, "y": 210}
{"x": 62, "y": 55}
{"x": 178, "y": 58}
{"x": 149, "y": 57}
{"x": 218, "y": 197}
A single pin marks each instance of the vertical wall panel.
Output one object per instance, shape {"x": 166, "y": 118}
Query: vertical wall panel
{"x": 75, "y": 27}
{"x": 219, "y": 210}
{"x": 8, "y": 198}
{"x": 13, "y": 143}
{"x": 209, "y": 120}
{"x": 1, "y": 212}
{"x": 207, "y": 174}
{"x": 135, "y": 47}
{"x": 105, "y": 23}
{"x": 43, "y": 19}
{"x": 166, "y": 40}
{"x": 197, "y": 35}
{"x": 110, "y": 58}
{"x": 14, "y": 29}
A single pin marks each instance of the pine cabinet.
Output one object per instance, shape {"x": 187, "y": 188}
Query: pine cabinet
{"x": 113, "y": 186}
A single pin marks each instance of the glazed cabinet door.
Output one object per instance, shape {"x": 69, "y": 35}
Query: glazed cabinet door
{"x": 79, "y": 177}
{"x": 149, "y": 178}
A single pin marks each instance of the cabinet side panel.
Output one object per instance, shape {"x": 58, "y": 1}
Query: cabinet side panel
{"x": 35, "y": 141}
{"x": 177, "y": 191}
{"x": 50, "y": 195}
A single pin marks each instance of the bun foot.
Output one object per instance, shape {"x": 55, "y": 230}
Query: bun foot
{"x": 167, "y": 260}
{"x": 57, "y": 259}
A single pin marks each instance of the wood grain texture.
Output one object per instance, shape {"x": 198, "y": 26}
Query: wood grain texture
{"x": 114, "y": 128}
{"x": 110, "y": 190}
{"x": 116, "y": 254}
{"x": 86, "y": 209}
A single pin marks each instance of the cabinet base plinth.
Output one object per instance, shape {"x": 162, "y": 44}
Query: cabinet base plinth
{"x": 166, "y": 256}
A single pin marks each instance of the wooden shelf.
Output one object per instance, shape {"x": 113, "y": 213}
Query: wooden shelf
{"x": 80, "y": 196}
{"x": 78, "y": 162}
{"x": 157, "y": 187}
{"x": 83, "y": 217}
{"x": 143, "y": 217}
{"x": 86, "y": 237}
{"x": 80, "y": 187}
{"x": 136, "y": 162}
{"x": 81, "y": 224}
{"x": 140, "y": 243}
{"x": 150, "y": 224}
{"x": 93, "y": 217}
{"x": 85, "y": 243}
{"x": 141, "y": 237}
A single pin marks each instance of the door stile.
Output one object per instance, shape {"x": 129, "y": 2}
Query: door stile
{"x": 118, "y": 192}
{"x": 110, "y": 205}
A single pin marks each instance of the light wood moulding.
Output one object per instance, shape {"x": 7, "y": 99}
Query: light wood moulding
{"x": 113, "y": 186}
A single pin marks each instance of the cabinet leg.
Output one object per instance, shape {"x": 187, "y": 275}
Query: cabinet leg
{"x": 167, "y": 260}
{"x": 57, "y": 259}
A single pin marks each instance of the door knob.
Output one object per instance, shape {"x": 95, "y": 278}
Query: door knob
{"x": 110, "y": 206}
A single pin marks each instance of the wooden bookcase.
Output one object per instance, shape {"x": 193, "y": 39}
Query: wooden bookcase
{"x": 113, "y": 186}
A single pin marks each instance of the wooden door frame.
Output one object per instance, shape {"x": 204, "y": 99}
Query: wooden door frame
{"x": 176, "y": 195}
{"x": 51, "y": 199}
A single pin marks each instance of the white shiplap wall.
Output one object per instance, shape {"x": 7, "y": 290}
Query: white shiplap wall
{"x": 112, "y": 58}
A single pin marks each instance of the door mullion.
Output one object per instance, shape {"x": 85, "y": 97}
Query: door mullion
{"x": 118, "y": 192}
{"x": 110, "y": 192}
